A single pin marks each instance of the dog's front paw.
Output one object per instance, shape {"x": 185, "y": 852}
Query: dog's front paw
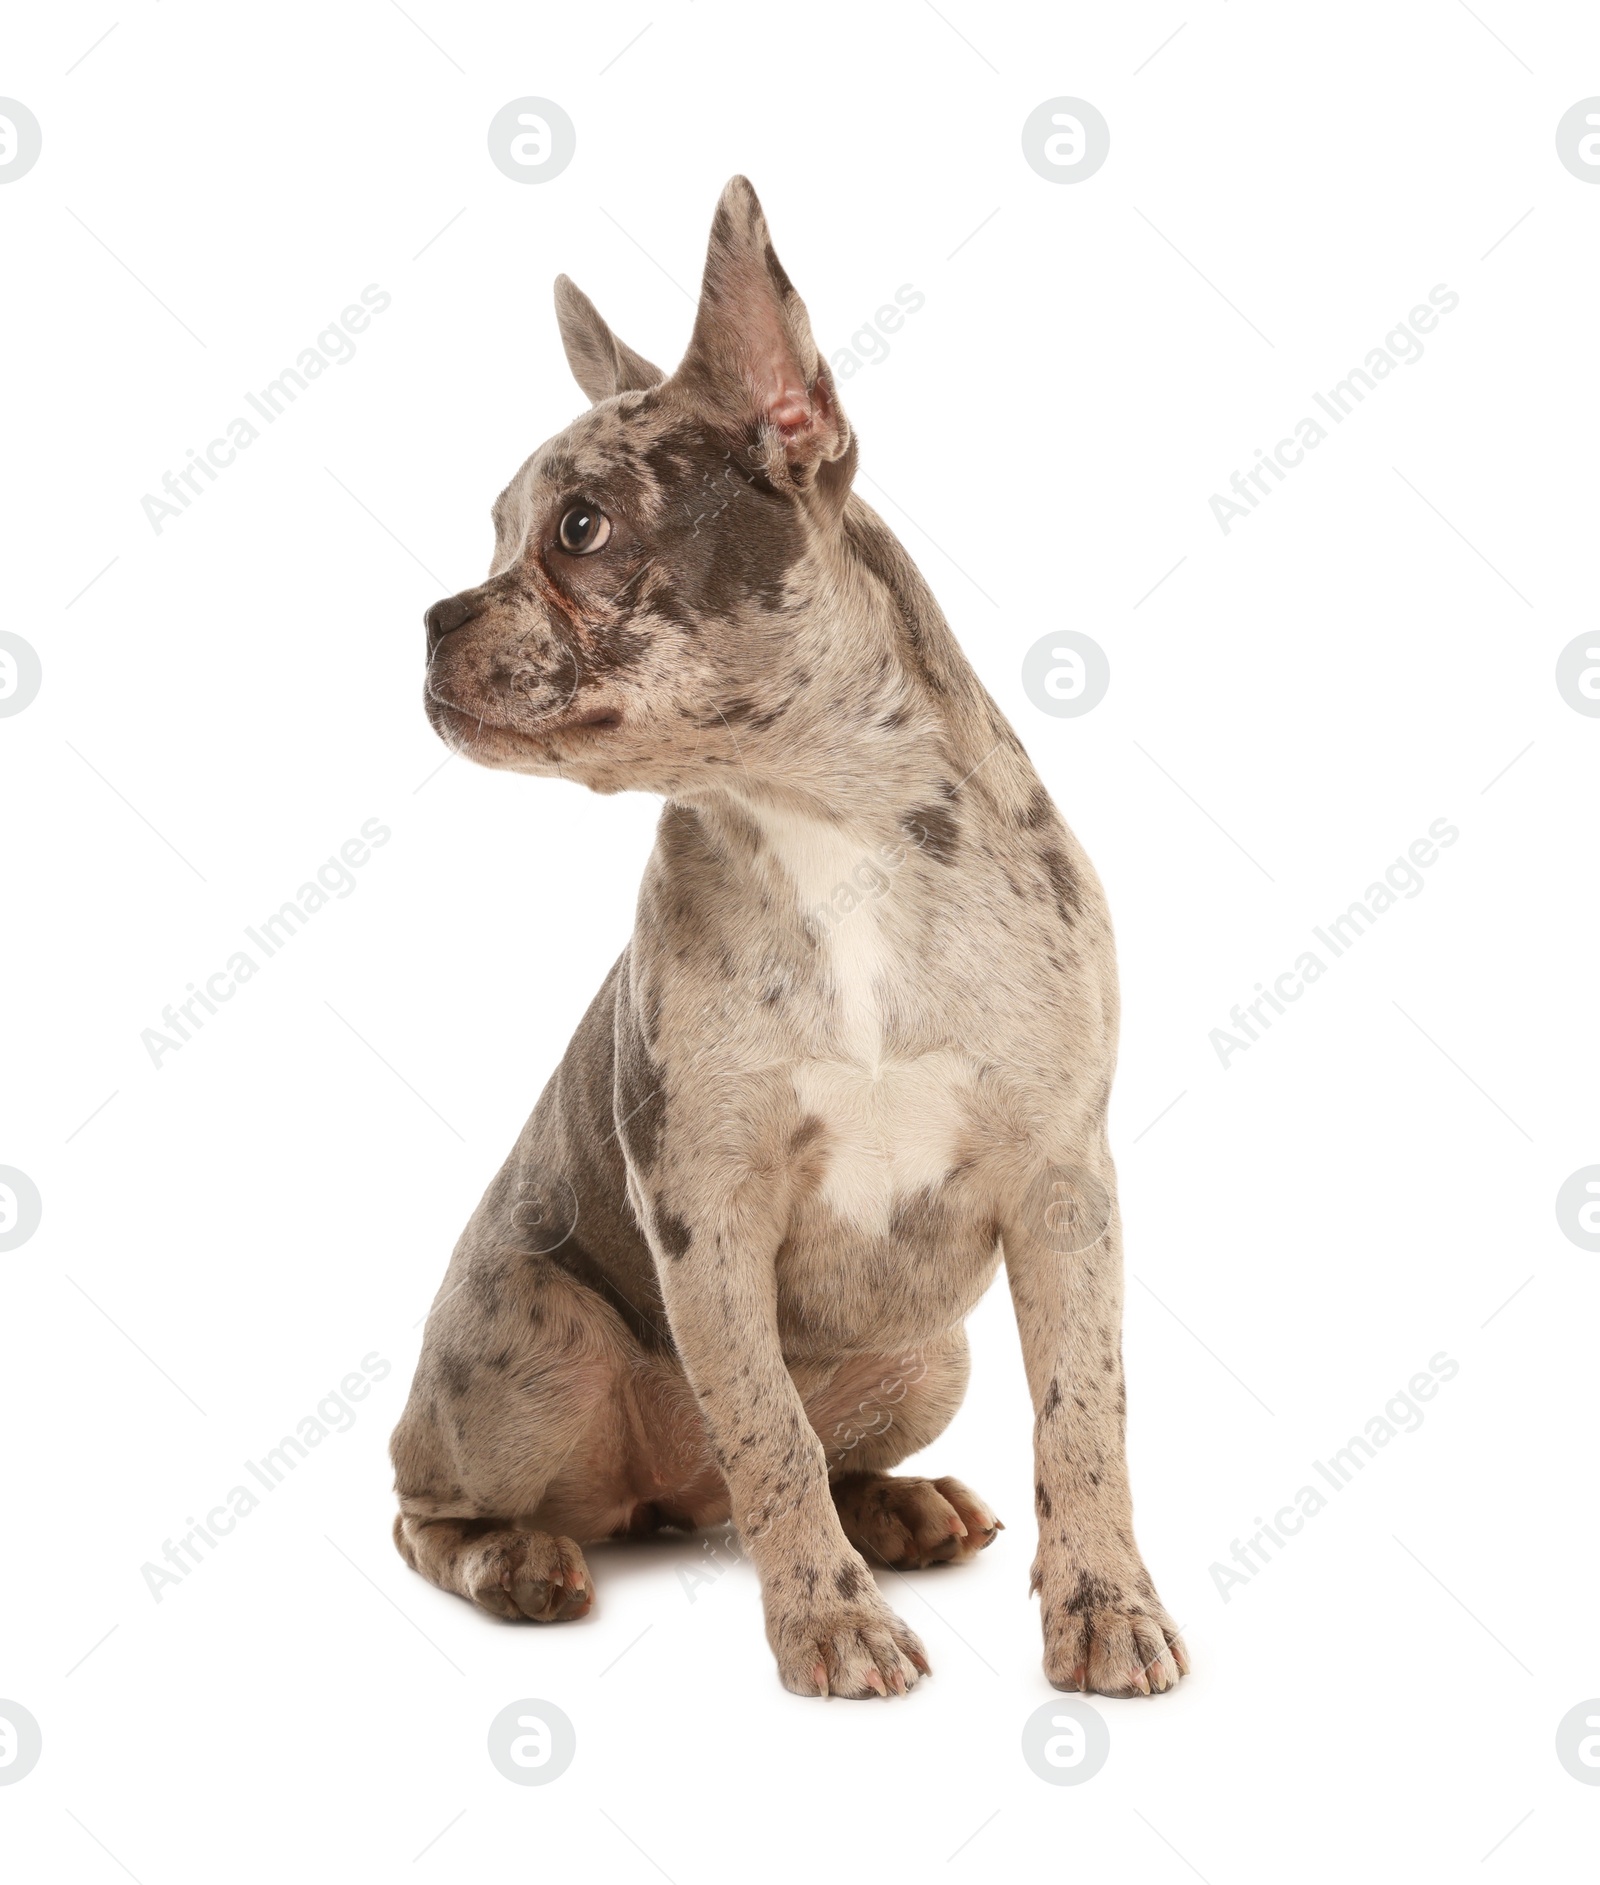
{"x": 834, "y": 1635}
{"x": 1108, "y": 1633}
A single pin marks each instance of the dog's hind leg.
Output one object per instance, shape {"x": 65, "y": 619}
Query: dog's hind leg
{"x": 510, "y": 1443}
{"x": 876, "y": 1411}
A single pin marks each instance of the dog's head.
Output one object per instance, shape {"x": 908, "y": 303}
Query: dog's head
{"x": 651, "y": 562}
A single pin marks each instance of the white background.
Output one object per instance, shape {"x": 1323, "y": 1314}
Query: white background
{"x": 1365, "y": 1187}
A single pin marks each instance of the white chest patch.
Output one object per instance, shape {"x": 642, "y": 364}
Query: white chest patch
{"x": 892, "y": 1131}
{"x": 893, "y": 1125}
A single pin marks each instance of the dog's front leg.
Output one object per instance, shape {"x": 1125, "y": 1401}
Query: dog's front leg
{"x": 1105, "y": 1628}
{"x": 830, "y": 1630}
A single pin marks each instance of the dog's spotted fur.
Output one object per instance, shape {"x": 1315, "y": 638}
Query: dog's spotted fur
{"x": 868, "y": 1009}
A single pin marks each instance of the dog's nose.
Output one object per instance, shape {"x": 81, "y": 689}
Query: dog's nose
{"x": 448, "y": 614}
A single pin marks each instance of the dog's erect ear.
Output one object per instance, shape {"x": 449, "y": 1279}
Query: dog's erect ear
{"x": 601, "y": 364}
{"x": 751, "y": 358}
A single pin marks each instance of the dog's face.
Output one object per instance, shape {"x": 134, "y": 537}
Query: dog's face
{"x": 650, "y": 561}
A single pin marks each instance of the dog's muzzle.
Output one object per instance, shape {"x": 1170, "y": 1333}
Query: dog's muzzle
{"x": 452, "y": 613}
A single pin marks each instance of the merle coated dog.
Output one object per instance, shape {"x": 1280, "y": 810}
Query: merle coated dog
{"x": 859, "y": 1046}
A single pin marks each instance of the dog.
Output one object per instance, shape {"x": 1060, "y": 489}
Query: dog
{"x": 860, "y": 1044}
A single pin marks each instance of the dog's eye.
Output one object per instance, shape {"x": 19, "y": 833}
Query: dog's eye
{"x": 583, "y": 530}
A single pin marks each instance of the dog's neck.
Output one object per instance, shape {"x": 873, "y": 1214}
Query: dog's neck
{"x": 882, "y": 715}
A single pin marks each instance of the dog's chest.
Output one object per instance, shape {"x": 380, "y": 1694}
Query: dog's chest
{"x": 891, "y": 1122}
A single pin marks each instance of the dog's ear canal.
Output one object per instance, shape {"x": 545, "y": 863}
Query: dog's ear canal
{"x": 601, "y": 364}
{"x": 752, "y": 359}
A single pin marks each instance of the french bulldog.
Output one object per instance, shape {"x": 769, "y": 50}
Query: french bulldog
{"x": 859, "y": 1047}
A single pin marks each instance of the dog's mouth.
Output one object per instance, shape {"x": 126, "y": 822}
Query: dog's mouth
{"x": 470, "y": 732}
{"x": 596, "y": 720}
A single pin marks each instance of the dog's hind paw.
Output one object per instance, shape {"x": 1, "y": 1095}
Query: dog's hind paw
{"x": 529, "y": 1575}
{"x": 911, "y": 1523}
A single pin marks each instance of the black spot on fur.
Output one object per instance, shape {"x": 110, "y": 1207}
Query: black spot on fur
{"x": 1052, "y": 1399}
{"x": 934, "y": 830}
{"x": 454, "y": 1371}
{"x": 810, "y": 1132}
{"x": 849, "y": 1580}
{"x": 1041, "y": 1500}
{"x": 484, "y": 1286}
{"x": 921, "y": 1220}
{"x": 1064, "y": 883}
{"x": 775, "y": 269}
{"x": 725, "y": 537}
{"x": 1092, "y": 1593}
{"x": 673, "y": 1232}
